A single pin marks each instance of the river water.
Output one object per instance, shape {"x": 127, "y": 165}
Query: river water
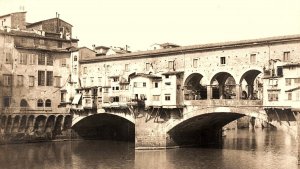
{"x": 242, "y": 149}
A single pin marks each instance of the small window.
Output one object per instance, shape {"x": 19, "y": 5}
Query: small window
{"x": 297, "y": 80}
{"x": 286, "y": 56}
{"x": 31, "y": 81}
{"x": 75, "y": 58}
{"x": 171, "y": 65}
{"x": 168, "y": 83}
{"x": 40, "y": 103}
{"x": 289, "y": 96}
{"x": 63, "y": 63}
{"x": 156, "y": 97}
{"x": 223, "y": 60}
{"x": 20, "y": 80}
{"x": 41, "y": 78}
{"x": 195, "y": 63}
{"x": 32, "y": 59}
{"x": 253, "y": 58}
{"x": 7, "y": 80}
{"x": 156, "y": 84}
{"x": 23, "y": 103}
{"x": 84, "y": 70}
{"x": 41, "y": 59}
{"x": 144, "y": 84}
{"x": 48, "y": 103}
{"x": 117, "y": 88}
{"x": 148, "y": 66}
{"x": 288, "y": 82}
{"x": 49, "y": 60}
{"x": 8, "y": 58}
{"x": 59, "y": 44}
{"x": 167, "y": 76}
{"x": 6, "y": 101}
{"x": 49, "y": 78}
{"x": 167, "y": 97}
{"x": 23, "y": 58}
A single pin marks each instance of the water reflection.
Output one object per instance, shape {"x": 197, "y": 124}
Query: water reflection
{"x": 241, "y": 149}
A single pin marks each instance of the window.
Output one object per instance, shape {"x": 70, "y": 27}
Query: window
{"x": 288, "y": 82}
{"x": 57, "y": 81}
{"x": 223, "y": 60}
{"x": 168, "y": 83}
{"x": 32, "y": 59}
{"x": 115, "y": 79}
{"x": 41, "y": 78}
{"x": 48, "y": 103}
{"x": 144, "y": 84}
{"x": 167, "y": 76}
{"x": 49, "y": 60}
{"x": 6, "y": 101}
{"x": 59, "y": 44}
{"x": 297, "y": 80}
{"x": 117, "y": 87}
{"x": 63, "y": 96}
{"x": 41, "y": 59}
{"x": 126, "y": 67}
{"x": 156, "y": 84}
{"x": 253, "y": 58}
{"x": 289, "y": 96}
{"x": 7, "y": 80}
{"x": 171, "y": 65}
{"x": 23, "y": 58}
{"x": 148, "y": 66}
{"x": 8, "y": 58}
{"x": 40, "y": 103}
{"x": 75, "y": 58}
{"x": 23, "y": 103}
{"x": 273, "y": 82}
{"x": 273, "y": 96}
{"x": 156, "y": 97}
{"x": 91, "y": 81}
{"x": 84, "y": 70}
{"x": 195, "y": 63}
{"x": 49, "y": 78}
{"x": 63, "y": 63}
{"x": 286, "y": 56}
{"x": 31, "y": 81}
{"x": 20, "y": 80}
{"x": 167, "y": 97}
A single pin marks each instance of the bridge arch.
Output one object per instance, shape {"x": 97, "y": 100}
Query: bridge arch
{"x": 111, "y": 126}
{"x": 223, "y": 86}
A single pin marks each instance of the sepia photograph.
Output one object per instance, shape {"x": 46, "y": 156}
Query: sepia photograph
{"x": 149, "y": 84}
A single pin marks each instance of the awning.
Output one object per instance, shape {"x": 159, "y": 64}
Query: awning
{"x": 76, "y": 99}
{"x": 291, "y": 90}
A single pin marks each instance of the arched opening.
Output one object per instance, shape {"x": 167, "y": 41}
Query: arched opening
{"x": 194, "y": 89}
{"x": 40, "y": 124}
{"x": 48, "y": 103}
{"x": 23, "y": 103}
{"x": 23, "y": 124}
{"x": 58, "y": 126}
{"x": 67, "y": 122}
{"x": 40, "y": 103}
{"x": 3, "y": 122}
{"x": 251, "y": 85}
{"x": 30, "y": 124}
{"x": 15, "y": 127}
{"x": 105, "y": 127}
{"x": 223, "y": 86}
{"x": 8, "y": 124}
{"x": 49, "y": 126}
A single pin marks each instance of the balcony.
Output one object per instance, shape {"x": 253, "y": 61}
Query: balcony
{"x": 224, "y": 103}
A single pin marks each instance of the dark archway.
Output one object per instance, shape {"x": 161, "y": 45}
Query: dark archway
{"x": 49, "y": 126}
{"x": 58, "y": 125}
{"x": 223, "y": 86}
{"x": 194, "y": 88}
{"x": 3, "y": 122}
{"x": 250, "y": 82}
{"x": 39, "y": 125}
{"x": 30, "y": 125}
{"x": 23, "y": 124}
{"x": 15, "y": 126}
{"x": 67, "y": 122}
{"x": 105, "y": 127}
{"x": 9, "y": 124}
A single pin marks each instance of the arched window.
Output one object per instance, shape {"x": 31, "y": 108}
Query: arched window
{"x": 40, "y": 103}
{"x": 23, "y": 103}
{"x": 48, "y": 103}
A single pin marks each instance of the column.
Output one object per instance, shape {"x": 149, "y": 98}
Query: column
{"x": 250, "y": 91}
{"x": 209, "y": 92}
{"x": 221, "y": 91}
{"x": 238, "y": 91}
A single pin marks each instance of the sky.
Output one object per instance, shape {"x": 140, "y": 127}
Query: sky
{"x": 141, "y": 23}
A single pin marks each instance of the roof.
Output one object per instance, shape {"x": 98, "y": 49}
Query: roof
{"x": 145, "y": 75}
{"x": 196, "y": 48}
{"x": 172, "y": 73}
{"x": 11, "y": 14}
{"x": 290, "y": 90}
{"x": 40, "y": 22}
{"x": 291, "y": 65}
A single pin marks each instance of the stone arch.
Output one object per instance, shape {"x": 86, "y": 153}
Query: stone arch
{"x": 49, "y": 126}
{"x": 8, "y": 124}
{"x": 23, "y": 124}
{"x": 67, "y": 122}
{"x": 58, "y": 125}
{"x": 223, "y": 86}
{"x": 194, "y": 88}
{"x": 105, "y": 126}
{"x": 39, "y": 125}
{"x": 15, "y": 126}
{"x": 30, "y": 124}
{"x": 249, "y": 78}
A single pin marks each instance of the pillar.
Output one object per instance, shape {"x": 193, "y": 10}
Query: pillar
{"x": 250, "y": 91}
{"x": 238, "y": 91}
{"x": 221, "y": 91}
{"x": 209, "y": 92}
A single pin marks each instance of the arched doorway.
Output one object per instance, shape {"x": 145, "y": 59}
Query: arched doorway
{"x": 223, "y": 86}
{"x": 251, "y": 85}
